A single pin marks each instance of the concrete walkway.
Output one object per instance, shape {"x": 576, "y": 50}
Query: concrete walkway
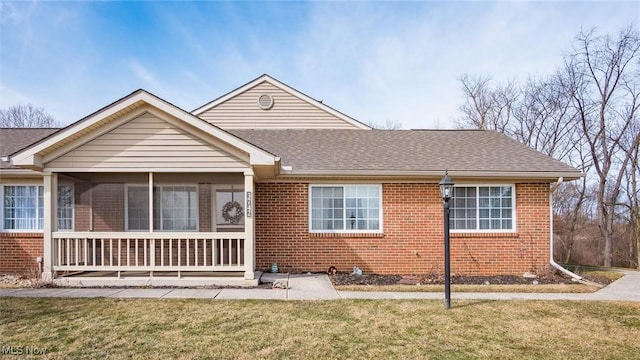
{"x": 318, "y": 287}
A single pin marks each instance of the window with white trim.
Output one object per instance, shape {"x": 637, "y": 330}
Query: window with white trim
{"x": 345, "y": 208}
{"x": 490, "y": 208}
{"x": 23, "y": 207}
{"x": 175, "y": 208}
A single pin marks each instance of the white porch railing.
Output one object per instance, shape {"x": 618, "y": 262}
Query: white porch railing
{"x": 134, "y": 251}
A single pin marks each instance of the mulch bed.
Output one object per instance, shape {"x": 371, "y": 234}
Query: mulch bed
{"x": 438, "y": 279}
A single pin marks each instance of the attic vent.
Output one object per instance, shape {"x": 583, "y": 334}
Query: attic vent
{"x": 265, "y": 101}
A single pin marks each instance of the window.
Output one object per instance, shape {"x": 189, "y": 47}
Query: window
{"x": 482, "y": 208}
{"x": 65, "y": 207}
{"x": 229, "y": 207}
{"x": 23, "y": 207}
{"x": 346, "y": 208}
{"x": 175, "y": 208}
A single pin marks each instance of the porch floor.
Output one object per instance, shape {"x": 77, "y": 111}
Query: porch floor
{"x": 155, "y": 279}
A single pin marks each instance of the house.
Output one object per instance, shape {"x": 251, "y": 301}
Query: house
{"x": 265, "y": 174}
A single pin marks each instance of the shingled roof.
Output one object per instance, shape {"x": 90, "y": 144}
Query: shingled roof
{"x": 472, "y": 153}
{"x": 14, "y": 139}
{"x": 411, "y": 152}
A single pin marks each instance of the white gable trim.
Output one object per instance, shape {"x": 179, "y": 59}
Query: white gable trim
{"x": 266, "y": 78}
{"x": 31, "y": 157}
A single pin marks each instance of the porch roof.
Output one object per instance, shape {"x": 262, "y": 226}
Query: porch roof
{"x": 82, "y": 131}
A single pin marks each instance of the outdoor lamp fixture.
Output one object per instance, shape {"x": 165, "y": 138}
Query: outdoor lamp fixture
{"x": 446, "y": 190}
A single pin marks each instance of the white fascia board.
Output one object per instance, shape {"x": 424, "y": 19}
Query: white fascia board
{"x": 284, "y": 88}
{"x": 453, "y": 174}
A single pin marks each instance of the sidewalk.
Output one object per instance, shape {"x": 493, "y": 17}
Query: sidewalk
{"x": 319, "y": 287}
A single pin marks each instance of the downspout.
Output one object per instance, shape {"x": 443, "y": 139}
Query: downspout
{"x": 551, "y": 261}
{"x": 575, "y": 277}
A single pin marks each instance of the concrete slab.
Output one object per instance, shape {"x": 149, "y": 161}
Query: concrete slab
{"x": 155, "y": 281}
{"x": 141, "y": 293}
{"x": 92, "y": 292}
{"x": 272, "y": 277}
{"x": 311, "y": 287}
{"x": 46, "y": 292}
{"x": 192, "y": 294}
{"x": 257, "y": 294}
{"x": 8, "y": 291}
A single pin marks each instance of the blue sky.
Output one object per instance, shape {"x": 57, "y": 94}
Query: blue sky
{"x": 375, "y": 61}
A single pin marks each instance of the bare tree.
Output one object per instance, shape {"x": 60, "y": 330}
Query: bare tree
{"x": 387, "y": 125}
{"x": 26, "y": 116}
{"x": 604, "y": 75}
{"x": 587, "y": 114}
{"x": 487, "y": 108}
{"x": 632, "y": 194}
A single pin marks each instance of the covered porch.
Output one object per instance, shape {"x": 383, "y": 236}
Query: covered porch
{"x": 201, "y": 226}
{"x": 142, "y": 186}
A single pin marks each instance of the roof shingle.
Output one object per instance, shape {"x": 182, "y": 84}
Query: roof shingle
{"x": 402, "y": 151}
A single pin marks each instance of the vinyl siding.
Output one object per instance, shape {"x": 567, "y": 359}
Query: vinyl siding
{"x": 288, "y": 112}
{"x": 144, "y": 142}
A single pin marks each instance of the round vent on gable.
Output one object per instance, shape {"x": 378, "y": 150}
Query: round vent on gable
{"x": 265, "y": 101}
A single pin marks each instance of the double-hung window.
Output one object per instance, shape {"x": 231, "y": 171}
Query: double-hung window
{"x": 345, "y": 208}
{"x": 23, "y": 207}
{"x": 483, "y": 208}
{"x": 175, "y": 208}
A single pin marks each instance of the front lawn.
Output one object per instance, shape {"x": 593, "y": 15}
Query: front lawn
{"x": 356, "y": 329}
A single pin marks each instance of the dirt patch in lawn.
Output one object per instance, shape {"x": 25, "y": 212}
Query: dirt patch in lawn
{"x": 545, "y": 278}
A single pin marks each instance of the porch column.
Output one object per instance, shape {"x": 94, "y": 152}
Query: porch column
{"x": 249, "y": 227}
{"x": 50, "y": 200}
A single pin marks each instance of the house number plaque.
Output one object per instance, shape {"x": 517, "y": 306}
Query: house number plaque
{"x": 248, "y": 204}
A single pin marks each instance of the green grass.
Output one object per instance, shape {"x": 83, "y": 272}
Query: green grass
{"x": 356, "y": 329}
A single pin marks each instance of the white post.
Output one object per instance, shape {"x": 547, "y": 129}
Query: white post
{"x": 50, "y": 199}
{"x": 249, "y": 225}
{"x": 153, "y": 241}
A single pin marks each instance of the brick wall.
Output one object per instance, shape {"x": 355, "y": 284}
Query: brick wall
{"x": 18, "y": 253}
{"x": 412, "y": 242}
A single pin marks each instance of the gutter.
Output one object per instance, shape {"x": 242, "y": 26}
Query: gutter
{"x": 575, "y": 277}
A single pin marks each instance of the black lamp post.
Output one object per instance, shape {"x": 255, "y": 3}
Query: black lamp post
{"x": 446, "y": 190}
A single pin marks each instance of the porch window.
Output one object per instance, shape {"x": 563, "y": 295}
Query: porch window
{"x": 483, "y": 208}
{"x": 23, "y": 207}
{"x": 65, "y": 207}
{"x": 346, "y": 208}
{"x": 229, "y": 208}
{"x": 175, "y": 208}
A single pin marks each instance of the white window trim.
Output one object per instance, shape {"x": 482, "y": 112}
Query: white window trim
{"x": 146, "y": 185}
{"x": 239, "y": 187}
{"x": 24, "y": 231}
{"x": 514, "y": 211}
{"x": 348, "y": 231}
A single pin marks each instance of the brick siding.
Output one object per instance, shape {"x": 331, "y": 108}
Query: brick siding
{"x": 18, "y": 253}
{"x": 412, "y": 241}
